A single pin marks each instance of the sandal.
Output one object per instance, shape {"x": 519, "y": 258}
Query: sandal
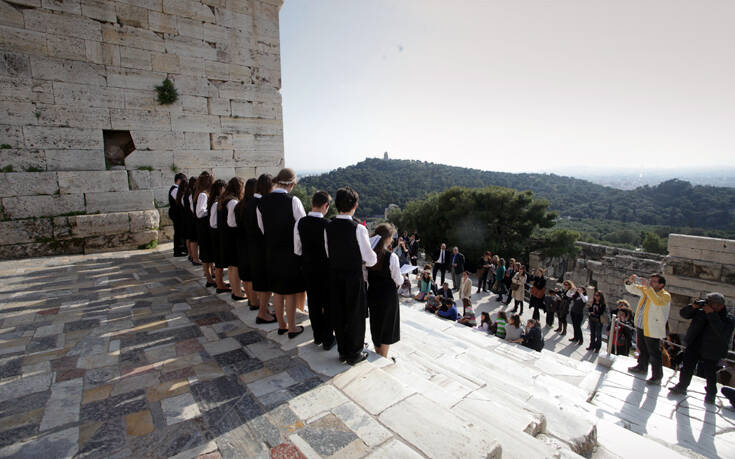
{"x": 258, "y": 320}
{"x": 292, "y": 335}
{"x": 282, "y": 331}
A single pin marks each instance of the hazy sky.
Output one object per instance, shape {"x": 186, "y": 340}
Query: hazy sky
{"x": 509, "y": 84}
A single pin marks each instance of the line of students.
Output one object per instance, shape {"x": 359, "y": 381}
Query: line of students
{"x": 262, "y": 235}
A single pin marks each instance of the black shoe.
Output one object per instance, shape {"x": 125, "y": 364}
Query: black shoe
{"x": 292, "y": 335}
{"x": 677, "y": 389}
{"x": 177, "y": 255}
{"x": 282, "y": 331}
{"x": 196, "y": 263}
{"x": 360, "y": 357}
{"x": 223, "y": 290}
{"x": 238, "y": 298}
{"x": 253, "y": 308}
{"x": 637, "y": 369}
{"x": 258, "y": 320}
{"x": 573, "y": 340}
{"x": 588, "y": 348}
{"x": 210, "y": 284}
{"x": 710, "y": 399}
{"x": 342, "y": 358}
{"x": 189, "y": 258}
{"x": 597, "y": 351}
{"x": 653, "y": 381}
{"x": 329, "y": 345}
{"x": 317, "y": 342}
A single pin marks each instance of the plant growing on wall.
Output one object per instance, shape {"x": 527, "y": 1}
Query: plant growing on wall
{"x": 167, "y": 93}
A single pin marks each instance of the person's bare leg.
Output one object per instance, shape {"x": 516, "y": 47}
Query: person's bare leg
{"x": 263, "y": 311}
{"x": 291, "y": 303}
{"x": 219, "y": 277}
{"x": 234, "y": 275}
{"x": 382, "y": 350}
{"x": 195, "y": 251}
{"x": 278, "y": 306}
{"x": 253, "y": 297}
{"x": 207, "y": 271}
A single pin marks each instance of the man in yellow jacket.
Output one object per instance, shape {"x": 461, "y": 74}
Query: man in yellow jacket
{"x": 651, "y": 316}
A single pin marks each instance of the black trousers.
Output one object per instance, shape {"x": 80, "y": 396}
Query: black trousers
{"x": 179, "y": 241}
{"x": 550, "y": 317}
{"x": 439, "y": 267}
{"x": 317, "y": 291}
{"x": 348, "y": 303}
{"x": 482, "y": 280}
{"x": 577, "y": 325}
{"x": 516, "y": 304}
{"x": 595, "y": 334}
{"x": 707, "y": 369}
{"x": 649, "y": 352}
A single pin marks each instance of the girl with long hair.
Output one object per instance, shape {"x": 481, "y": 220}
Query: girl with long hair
{"x": 191, "y": 221}
{"x": 384, "y": 278}
{"x": 567, "y": 292}
{"x": 596, "y": 311}
{"x": 218, "y": 187}
{"x": 256, "y": 250}
{"x": 243, "y": 257}
{"x": 201, "y": 211}
{"x": 227, "y": 225}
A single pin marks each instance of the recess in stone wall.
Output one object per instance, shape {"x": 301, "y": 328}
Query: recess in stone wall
{"x": 118, "y": 145}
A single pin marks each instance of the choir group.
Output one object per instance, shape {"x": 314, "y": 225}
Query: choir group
{"x": 270, "y": 247}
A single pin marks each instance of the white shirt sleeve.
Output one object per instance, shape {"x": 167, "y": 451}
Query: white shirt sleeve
{"x": 202, "y": 205}
{"x": 231, "y": 222}
{"x": 363, "y": 240}
{"x": 213, "y": 216}
{"x": 174, "y": 192}
{"x": 395, "y": 270}
{"x": 296, "y": 238}
{"x": 260, "y": 220}
{"x": 326, "y": 244}
{"x": 191, "y": 203}
{"x": 298, "y": 209}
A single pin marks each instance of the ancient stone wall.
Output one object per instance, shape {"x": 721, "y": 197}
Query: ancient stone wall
{"x": 694, "y": 267}
{"x": 74, "y": 73}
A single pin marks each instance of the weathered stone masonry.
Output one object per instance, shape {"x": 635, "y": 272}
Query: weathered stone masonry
{"x": 71, "y": 69}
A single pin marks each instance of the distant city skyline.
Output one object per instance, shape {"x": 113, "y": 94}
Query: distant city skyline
{"x": 509, "y": 86}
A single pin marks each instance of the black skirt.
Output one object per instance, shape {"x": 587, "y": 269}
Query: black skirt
{"x": 382, "y": 296}
{"x": 205, "y": 244}
{"x": 214, "y": 237}
{"x": 243, "y": 258}
{"x": 190, "y": 224}
{"x": 258, "y": 274}
{"x": 228, "y": 246}
{"x": 285, "y": 277}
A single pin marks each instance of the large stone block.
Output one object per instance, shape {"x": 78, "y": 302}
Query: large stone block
{"x": 93, "y": 181}
{"x": 134, "y": 79}
{"x": 169, "y": 63}
{"x": 66, "y": 47}
{"x": 245, "y": 172}
{"x": 224, "y": 173}
{"x": 195, "y": 86}
{"x": 48, "y": 68}
{"x": 251, "y": 126}
{"x": 190, "y": 47}
{"x": 43, "y": 206}
{"x": 149, "y": 159}
{"x": 144, "y": 220}
{"x": 139, "y": 179}
{"x": 679, "y": 242}
{"x": 73, "y": 116}
{"x": 25, "y": 231}
{"x": 19, "y": 114}
{"x": 131, "y": 15}
{"x": 194, "y": 104}
{"x": 12, "y": 136}
{"x": 204, "y": 158}
{"x": 16, "y": 65}
{"x": 260, "y": 158}
{"x": 133, "y": 37}
{"x": 75, "y": 160}
{"x": 37, "y": 249}
{"x": 196, "y": 141}
{"x": 78, "y": 95}
{"x": 218, "y": 106}
{"x": 160, "y": 22}
{"x": 119, "y": 201}
{"x": 193, "y": 9}
{"x": 135, "y": 58}
{"x": 195, "y": 123}
{"x": 100, "y": 224}
{"x": 21, "y": 40}
{"x": 10, "y": 16}
{"x": 62, "y": 137}
{"x": 28, "y": 183}
{"x": 158, "y": 140}
{"x": 697, "y": 287}
{"x": 102, "y": 10}
{"x": 139, "y": 119}
{"x": 124, "y": 241}
{"x": 67, "y": 6}
{"x": 139, "y": 99}
{"x": 162, "y": 178}
{"x": 21, "y": 160}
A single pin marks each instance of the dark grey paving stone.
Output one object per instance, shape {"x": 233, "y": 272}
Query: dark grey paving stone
{"x": 327, "y": 435}
{"x": 24, "y": 404}
{"x": 249, "y": 338}
{"x": 215, "y": 392}
{"x": 84, "y": 324}
{"x": 222, "y": 419}
{"x": 247, "y": 407}
{"x": 279, "y": 364}
{"x": 265, "y": 431}
{"x": 99, "y": 376}
{"x": 230, "y": 357}
{"x": 110, "y": 438}
{"x": 17, "y": 434}
{"x": 42, "y": 344}
{"x": 305, "y": 386}
{"x": 274, "y": 399}
{"x": 112, "y": 407}
{"x": 64, "y": 443}
{"x": 10, "y": 368}
{"x": 300, "y": 371}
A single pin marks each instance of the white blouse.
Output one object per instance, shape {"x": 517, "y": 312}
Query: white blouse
{"x": 213, "y": 216}
{"x": 231, "y": 222}
{"x": 201, "y": 208}
{"x": 395, "y": 270}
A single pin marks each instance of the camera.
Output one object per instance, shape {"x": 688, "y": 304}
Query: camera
{"x": 700, "y": 303}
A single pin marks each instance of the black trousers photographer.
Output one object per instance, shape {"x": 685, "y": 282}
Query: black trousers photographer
{"x": 706, "y": 339}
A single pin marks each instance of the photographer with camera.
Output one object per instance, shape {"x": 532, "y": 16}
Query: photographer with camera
{"x": 651, "y": 316}
{"x": 706, "y": 339}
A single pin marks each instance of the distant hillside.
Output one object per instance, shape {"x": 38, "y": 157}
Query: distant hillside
{"x": 672, "y": 203}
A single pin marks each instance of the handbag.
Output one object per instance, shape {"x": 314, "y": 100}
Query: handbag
{"x": 538, "y": 293}
{"x": 514, "y": 286}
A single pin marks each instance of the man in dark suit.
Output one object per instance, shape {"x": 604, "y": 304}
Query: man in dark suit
{"x": 413, "y": 250}
{"x": 441, "y": 261}
{"x": 445, "y": 292}
{"x": 457, "y": 267}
